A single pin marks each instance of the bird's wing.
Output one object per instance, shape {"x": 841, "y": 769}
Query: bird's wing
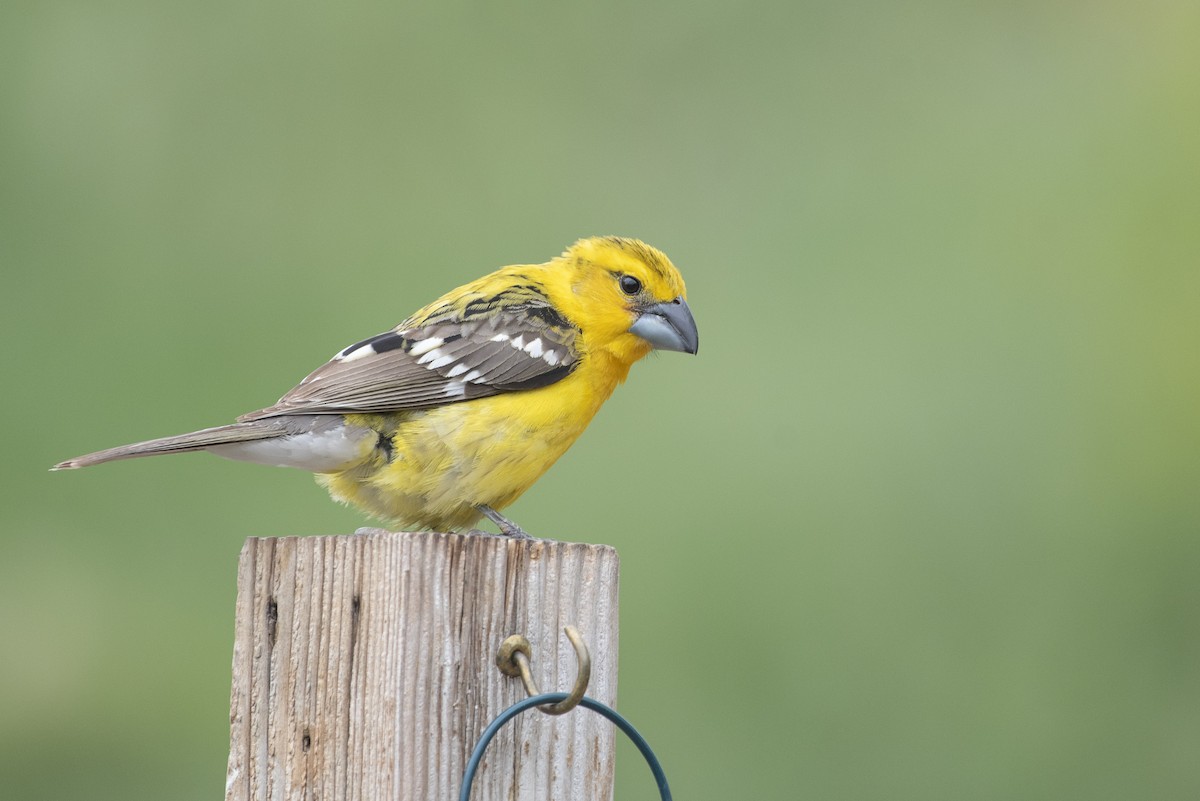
{"x": 447, "y": 357}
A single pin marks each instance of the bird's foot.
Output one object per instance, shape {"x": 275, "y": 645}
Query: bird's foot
{"x": 507, "y": 527}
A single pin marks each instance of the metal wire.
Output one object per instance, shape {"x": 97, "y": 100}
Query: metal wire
{"x": 554, "y": 698}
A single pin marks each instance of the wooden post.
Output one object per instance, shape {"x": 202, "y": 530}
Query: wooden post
{"x": 364, "y": 667}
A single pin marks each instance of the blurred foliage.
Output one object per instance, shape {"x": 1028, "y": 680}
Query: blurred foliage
{"x": 920, "y": 521}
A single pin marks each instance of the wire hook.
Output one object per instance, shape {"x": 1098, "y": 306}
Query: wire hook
{"x": 513, "y": 660}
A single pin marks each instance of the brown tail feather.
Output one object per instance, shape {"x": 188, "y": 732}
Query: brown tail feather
{"x": 184, "y": 443}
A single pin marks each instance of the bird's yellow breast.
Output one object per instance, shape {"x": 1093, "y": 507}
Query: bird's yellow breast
{"x": 447, "y": 460}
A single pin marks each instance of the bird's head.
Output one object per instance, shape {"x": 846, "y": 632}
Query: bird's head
{"x": 627, "y": 296}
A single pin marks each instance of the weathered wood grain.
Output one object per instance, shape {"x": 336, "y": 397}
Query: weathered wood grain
{"x": 363, "y": 667}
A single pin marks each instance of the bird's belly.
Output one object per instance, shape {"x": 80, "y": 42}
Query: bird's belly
{"x": 446, "y": 461}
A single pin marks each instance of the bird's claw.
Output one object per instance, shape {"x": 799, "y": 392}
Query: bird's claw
{"x": 507, "y": 527}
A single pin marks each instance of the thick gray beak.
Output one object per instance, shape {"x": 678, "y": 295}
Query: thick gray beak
{"x": 668, "y": 326}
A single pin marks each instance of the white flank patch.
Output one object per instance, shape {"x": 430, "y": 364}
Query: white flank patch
{"x": 534, "y": 348}
{"x": 455, "y": 389}
{"x": 457, "y": 370}
{"x": 426, "y": 358}
{"x": 357, "y": 353}
{"x": 320, "y": 452}
{"x": 426, "y": 345}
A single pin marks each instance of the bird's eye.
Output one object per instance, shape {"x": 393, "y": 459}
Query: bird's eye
{"x": 630, "y": 285}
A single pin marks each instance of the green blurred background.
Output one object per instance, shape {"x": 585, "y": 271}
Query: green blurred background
{"x": 921, "y": 521}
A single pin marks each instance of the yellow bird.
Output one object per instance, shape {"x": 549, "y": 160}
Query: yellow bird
{"x": 458, "y": 410}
